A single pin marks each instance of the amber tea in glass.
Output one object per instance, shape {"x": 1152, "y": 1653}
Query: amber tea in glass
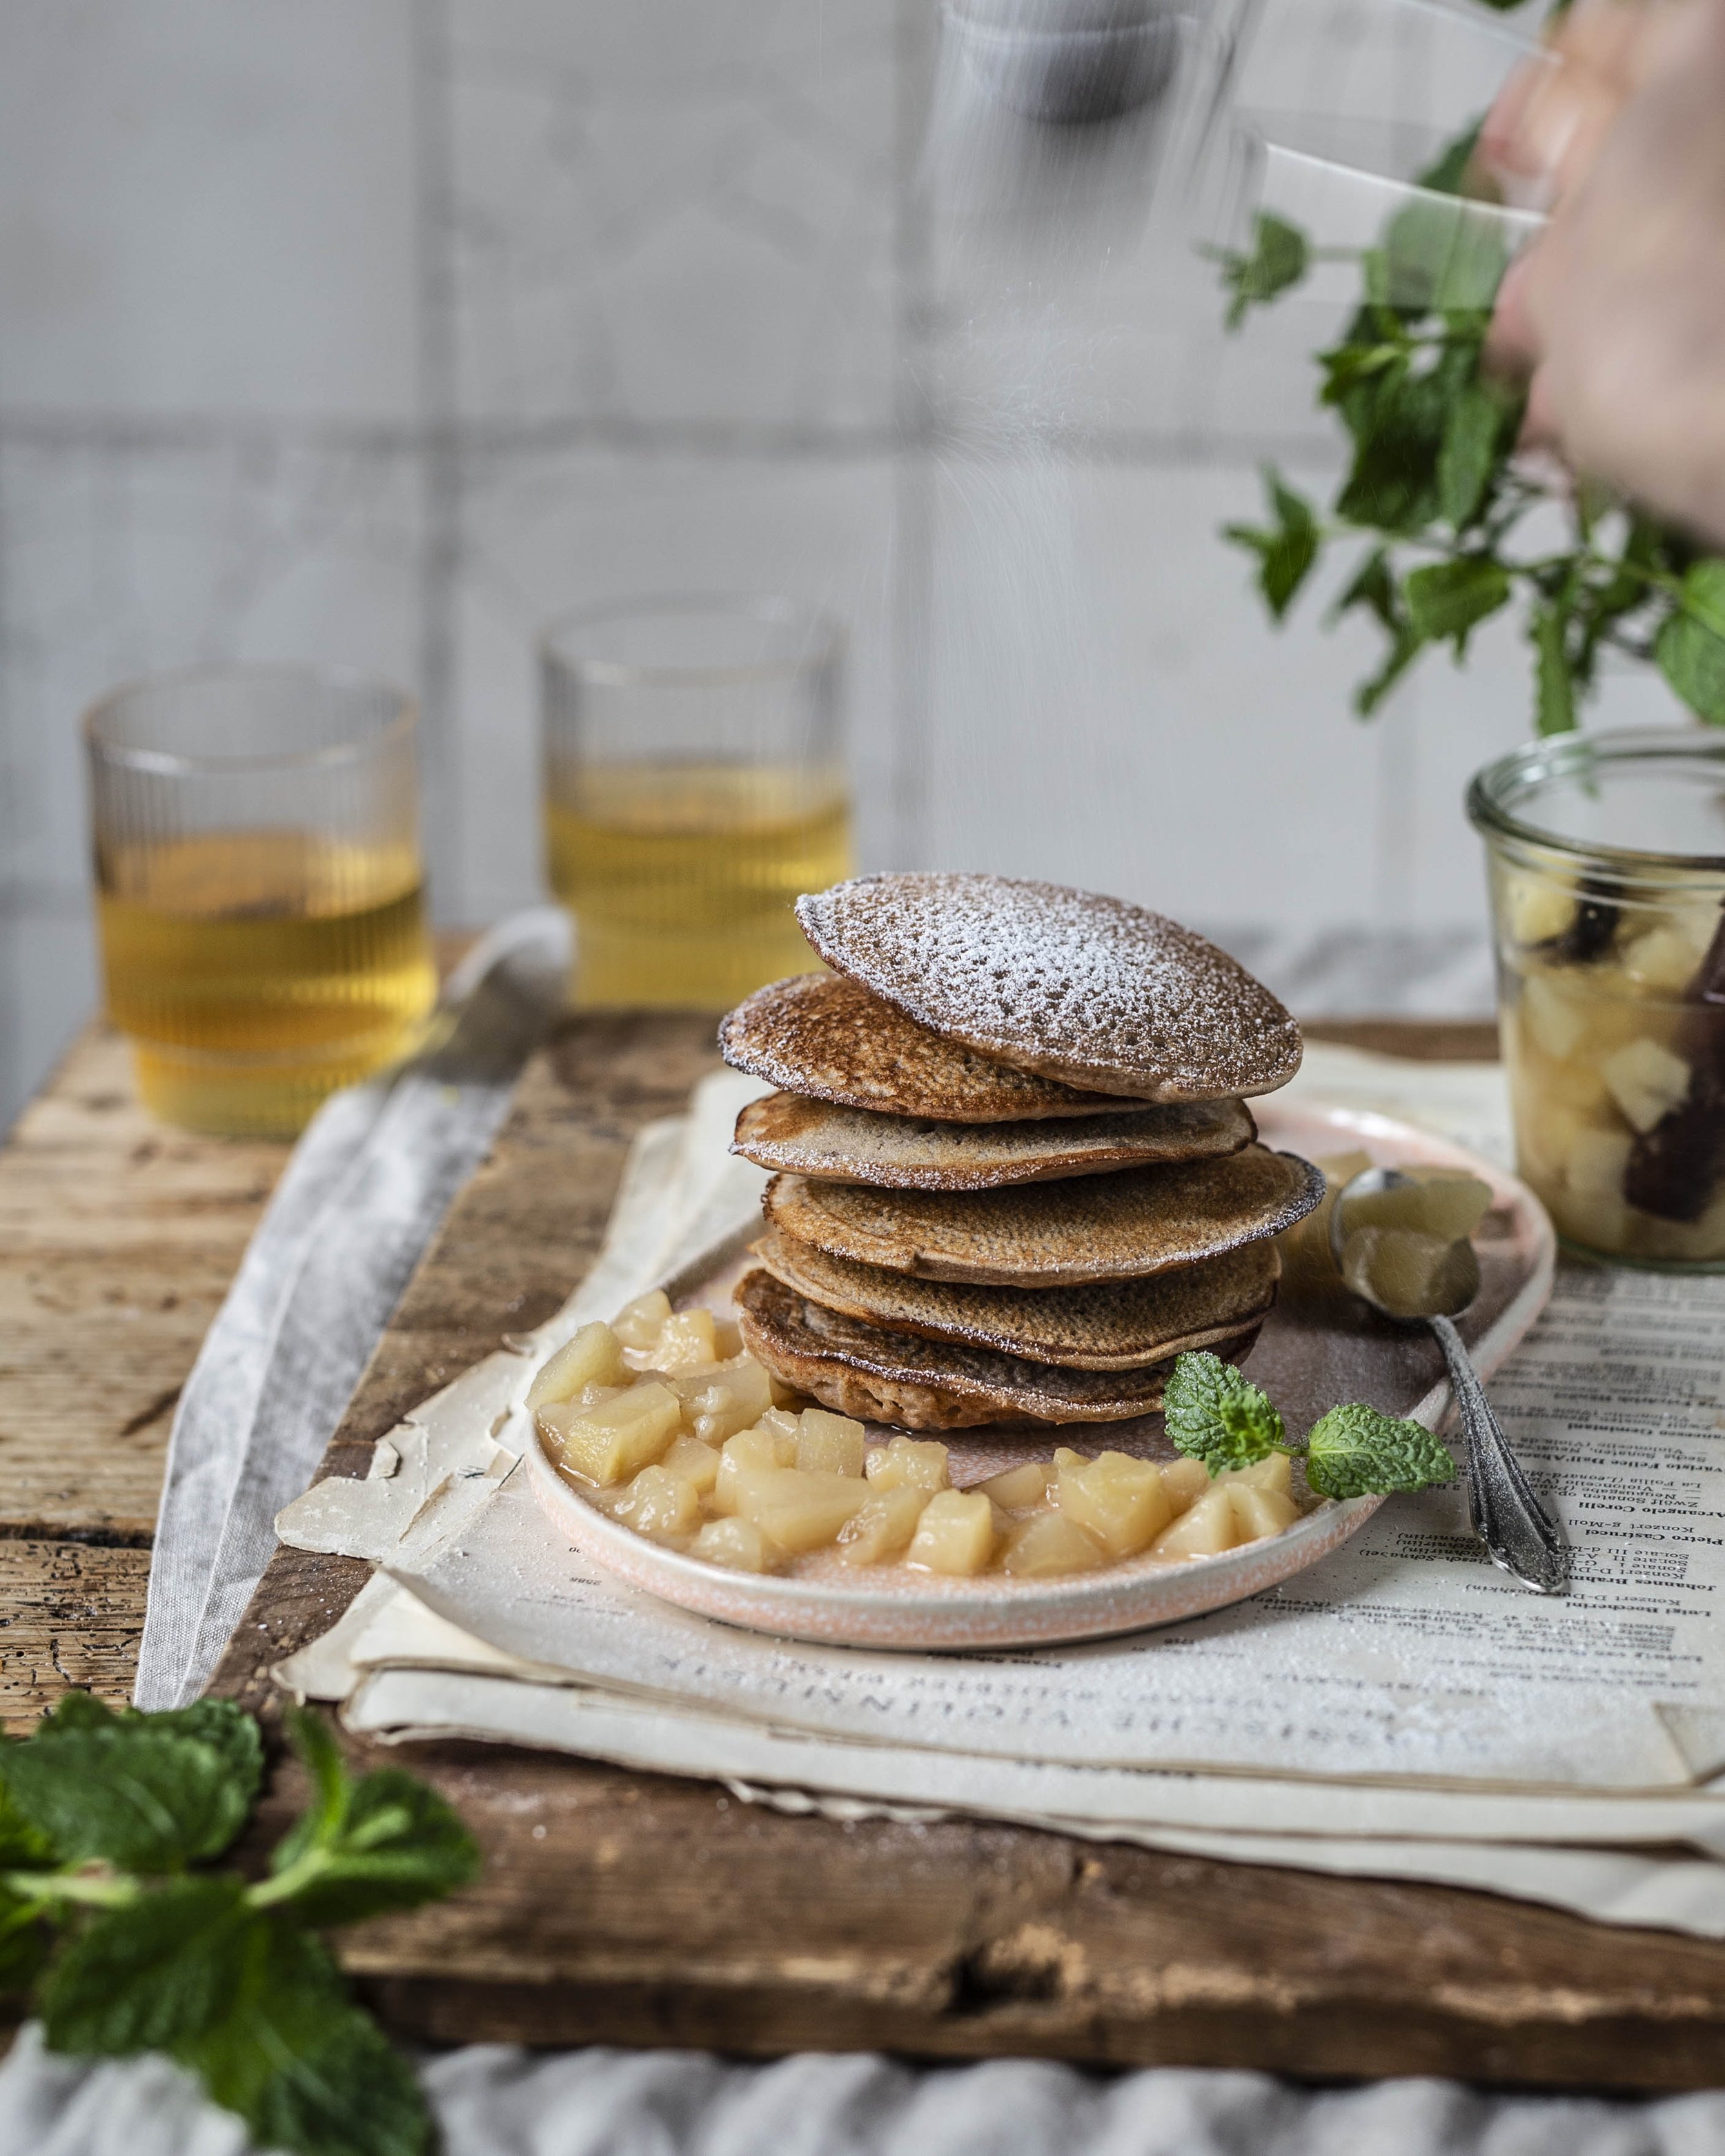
{"x": 259, "y": 890}
{"x": 692, "y": 789}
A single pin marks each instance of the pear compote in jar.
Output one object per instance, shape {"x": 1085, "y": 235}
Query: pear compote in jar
{"x": 1607, "y": 863}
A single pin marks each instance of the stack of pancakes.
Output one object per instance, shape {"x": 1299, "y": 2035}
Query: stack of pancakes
{"x": 1017, "y": 1172}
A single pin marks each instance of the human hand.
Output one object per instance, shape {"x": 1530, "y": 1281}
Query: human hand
{"x": 1617, "y": 311}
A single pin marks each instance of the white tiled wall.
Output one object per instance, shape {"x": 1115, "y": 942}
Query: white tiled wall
{"x": 379, "y": 330}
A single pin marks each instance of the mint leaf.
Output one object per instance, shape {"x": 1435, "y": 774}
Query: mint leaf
{"x": 1450, "y": 598}
{"x": 383, "y": 1842}
{"x": 154, "y": 1975}
{"x": 1277, "y": 260}
{"x": 1285, "y": 554}
{"x": 1215, "y": 1414}
{"x": 1474, "y": 442}
{"x": 1691, "y": 647}
{"x": 304, "y": 2067}
{"x": 1355, "y": 1451}
{"x": 144, "y": 1798}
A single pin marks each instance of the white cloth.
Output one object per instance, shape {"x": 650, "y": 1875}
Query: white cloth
{"x": 492, "y": 2100}
{"x": 360, "y": 1198}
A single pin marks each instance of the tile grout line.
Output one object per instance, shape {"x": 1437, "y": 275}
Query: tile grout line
{"x": 912, "y": 476}
{"x": 439, "y": 446}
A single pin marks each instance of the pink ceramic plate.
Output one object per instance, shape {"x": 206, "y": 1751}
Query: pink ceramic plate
{"x": 1307, "y": 1357}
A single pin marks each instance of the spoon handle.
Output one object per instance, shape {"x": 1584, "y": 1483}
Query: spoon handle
{"x": 1518, "y": 1532}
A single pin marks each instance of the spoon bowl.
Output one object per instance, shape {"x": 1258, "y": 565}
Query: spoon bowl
{"x": 1520, "y": 1535}
{"x": 1458, "y": 1283}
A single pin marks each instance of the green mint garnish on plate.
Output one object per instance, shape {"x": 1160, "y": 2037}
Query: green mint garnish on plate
{"x": 1355, "y": 1451}
{"x": 1215, "y": 1414}
{"x": 128, "y": 1948}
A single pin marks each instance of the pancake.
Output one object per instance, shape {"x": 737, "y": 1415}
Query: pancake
{"x": 882, "y": 1376}
{"x": 1108, "y": 1325}
{"x": 1067, "y": 984}
{"x": 829, "y": 1039}
{"x": 905, "y": 1153}
{"x": 1141, "y": 1221}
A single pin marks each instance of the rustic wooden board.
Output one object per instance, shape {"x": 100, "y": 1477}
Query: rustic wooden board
{"x": 632, "y": 1909}
{"x": 628, "y": 1908}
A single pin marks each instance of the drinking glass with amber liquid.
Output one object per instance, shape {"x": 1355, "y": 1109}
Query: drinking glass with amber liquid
{"x": 693, "y": 788}
{"x": 259, "y": 889}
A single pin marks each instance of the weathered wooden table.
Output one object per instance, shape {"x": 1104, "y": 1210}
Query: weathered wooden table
{"x": 627, "y": 1909}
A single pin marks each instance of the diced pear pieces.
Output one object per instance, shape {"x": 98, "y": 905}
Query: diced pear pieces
{"x": 685, "y": 1444}
{"x": 637, "y": 1324}
{"x": 738, "y": 1545}
{"x": 612, "y": 1440}
{"x": 660, "y": 1505}
{"x": 829, "y": 1444}
{"x": 686, "y": 1342}
{"x": 719, "y": 1398}
{"x": 1411, "y": 1274}
{"x": 748, "y": 1452}
{"x": 1275, "y": 1471}
{"x": 1049, "y": 1544}
{"x": 1258, "y": 1511}
{"x": 1186, "y": 1481}
{"x": 902, "y": 1459}
{"x": 1448, "y": 1206}
{"x": 955, "y": 1532}
{"x": 884, "y": 1527}
{"x": 698, "y": 1464}
{"x": 1117, "y": 1499}
{"x": 1646, "y": 1082}
{"x": 1206, "y": 1529}
{"x": 796, "y": 1510}
{"x": 594, "y": 1357}
{"x": 1020, "y": 1488}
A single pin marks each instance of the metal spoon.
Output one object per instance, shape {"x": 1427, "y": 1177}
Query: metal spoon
{"x": 1520, "y": 1535}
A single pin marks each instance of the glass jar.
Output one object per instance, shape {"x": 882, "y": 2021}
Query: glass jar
{"x": 1607, "y": 860}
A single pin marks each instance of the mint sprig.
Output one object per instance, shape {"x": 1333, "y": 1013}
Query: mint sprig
{"x": 1213, "y": 1413}
{"x": 104, "y": 1817}
{"x": 1355, "y": 1451}
{"x": 1454, "y": 528}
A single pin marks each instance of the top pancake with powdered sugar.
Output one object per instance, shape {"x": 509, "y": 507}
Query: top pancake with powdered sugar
{"x": 1072, "y": 985}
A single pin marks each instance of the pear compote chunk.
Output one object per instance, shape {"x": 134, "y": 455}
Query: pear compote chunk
{"x": 616, "y": 1436}
{"x": 1048, "y": 1544}
{"x": 738, "y": 1545}
{"x": 1121, "y": 1503}
{"x": 921, "y": 1462}
{"x": 955, "y": 1532}
{"x": 674, "y": 1433}
{"x": 883, "y": 1526}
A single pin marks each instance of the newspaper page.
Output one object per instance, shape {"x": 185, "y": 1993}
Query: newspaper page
{"x": 1405, "y": 1655}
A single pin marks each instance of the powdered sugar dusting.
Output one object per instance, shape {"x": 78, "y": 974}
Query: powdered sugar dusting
{"x": 1069, "y": 983}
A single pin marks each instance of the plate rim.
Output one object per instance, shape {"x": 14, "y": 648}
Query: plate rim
{"x": 981, "y": 1612}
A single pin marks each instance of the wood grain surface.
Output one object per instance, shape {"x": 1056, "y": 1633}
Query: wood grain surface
{"x": 634, "y": 1909}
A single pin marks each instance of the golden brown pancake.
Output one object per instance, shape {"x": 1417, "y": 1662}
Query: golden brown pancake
{"x": 1141, "y": 1221}
{"x": 1067, "y": 984}
{"x": 824, "y": 1036}
{"x": 1107, "y": 1325}
{"x": 883, "y": 1376}
{"x": 907, "y": 1152}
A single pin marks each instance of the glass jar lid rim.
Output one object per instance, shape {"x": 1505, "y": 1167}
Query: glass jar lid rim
{"x": 1512, "y": 778}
